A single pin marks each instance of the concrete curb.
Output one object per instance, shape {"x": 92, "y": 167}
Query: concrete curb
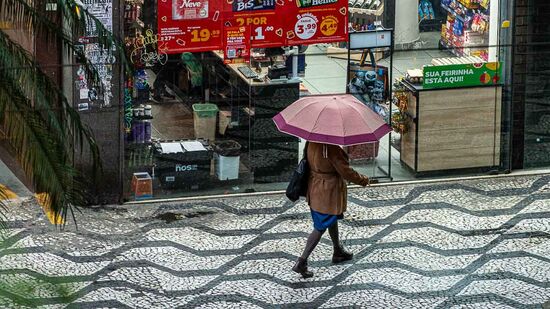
{"x": 388, "y": 184}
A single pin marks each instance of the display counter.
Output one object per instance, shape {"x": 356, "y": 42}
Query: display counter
{"x": 452, "y": 129}
{"x": 272, "y": 155}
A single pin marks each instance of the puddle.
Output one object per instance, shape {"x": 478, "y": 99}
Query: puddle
{"x": 170, "y": 217}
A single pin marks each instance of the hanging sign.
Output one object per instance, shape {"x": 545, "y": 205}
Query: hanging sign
{"x": 317, "y": 21}
{"x": 189, "y": 25}
{"x": 262, "y": 17}
{"x": 237, "y": 44}
{"x": 198, "y": 25}
{"x": 462, "y": 75}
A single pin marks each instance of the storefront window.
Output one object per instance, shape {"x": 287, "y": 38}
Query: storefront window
{"x": 534, "y": 52}
{"x": 198, "y": 125}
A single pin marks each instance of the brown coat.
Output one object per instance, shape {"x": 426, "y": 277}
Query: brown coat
{"x": 329, "y": 171}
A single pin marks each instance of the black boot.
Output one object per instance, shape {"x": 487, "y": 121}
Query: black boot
{"x": 340, "y": 253}
{"x": 301, "y": 265}
{"x": 301, "y": 268}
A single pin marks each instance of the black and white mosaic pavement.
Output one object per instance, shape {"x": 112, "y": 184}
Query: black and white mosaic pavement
{"x": 468, "y": 244}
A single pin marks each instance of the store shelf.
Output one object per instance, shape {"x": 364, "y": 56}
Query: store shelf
{"x": 451, "y": 49}
{"x": 136, "y": 24}
{"x": 134, "y": 145}
{"x": 377, "y": 12}
{"x": 142, "y": 117}
{"x": 452, "y": 12}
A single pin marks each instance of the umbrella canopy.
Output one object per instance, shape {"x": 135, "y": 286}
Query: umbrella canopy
{"x": 337, "y": 119}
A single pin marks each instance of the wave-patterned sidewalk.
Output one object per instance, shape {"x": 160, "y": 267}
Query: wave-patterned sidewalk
{"x": 469, "y": 244}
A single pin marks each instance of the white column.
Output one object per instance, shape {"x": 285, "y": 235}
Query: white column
{"x": 494, "y": 30}
{"x": 406, "y": 22}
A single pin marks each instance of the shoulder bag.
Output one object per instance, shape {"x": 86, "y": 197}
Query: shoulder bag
{"x": 297, "y": 185}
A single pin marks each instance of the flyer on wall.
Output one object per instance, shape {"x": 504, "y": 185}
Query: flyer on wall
{"x": 236, "y": 42}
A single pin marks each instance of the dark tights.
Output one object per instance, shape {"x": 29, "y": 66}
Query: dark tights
{"x": 315, "y": 237}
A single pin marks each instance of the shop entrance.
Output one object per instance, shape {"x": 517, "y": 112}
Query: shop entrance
{"x": 198, "y": 124}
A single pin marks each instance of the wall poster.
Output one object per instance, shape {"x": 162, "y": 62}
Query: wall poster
{"x": 102, "y": 59}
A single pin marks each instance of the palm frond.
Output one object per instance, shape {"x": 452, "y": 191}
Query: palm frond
{"x": 40, "y": 129}
{"x": 3, "y": 210}
{"x": 41, "y": 153}
{"x": 47, "y": 98}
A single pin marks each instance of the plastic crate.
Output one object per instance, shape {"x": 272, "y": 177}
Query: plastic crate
{"x": 180, "y": 168}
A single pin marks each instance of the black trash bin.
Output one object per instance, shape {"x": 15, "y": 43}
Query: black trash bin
{"x": 226, "y": 159}
{"x": 183, "y": 164}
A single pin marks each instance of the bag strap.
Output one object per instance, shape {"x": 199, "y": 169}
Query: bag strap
{"x": 305, "y": 150}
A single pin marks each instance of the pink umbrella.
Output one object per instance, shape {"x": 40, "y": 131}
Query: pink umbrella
{"x": 335, "y": 119}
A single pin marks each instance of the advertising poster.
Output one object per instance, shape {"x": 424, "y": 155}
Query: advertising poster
{"x": 237, "y": 44}
{"x": 263, "y": 17}
{"x": 198, "y": 25}
{"x": 189, "y": 25}
{"x": 317, "y": 21}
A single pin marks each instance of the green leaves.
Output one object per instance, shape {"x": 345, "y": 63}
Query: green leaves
{"x": 39, "y": 122}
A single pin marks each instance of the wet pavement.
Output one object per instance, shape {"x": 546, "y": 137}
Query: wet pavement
{"x": 464, "y": 244}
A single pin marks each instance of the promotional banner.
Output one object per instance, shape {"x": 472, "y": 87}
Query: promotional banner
{"x": 198, "y": 25}
{"x": 189, "y": 25}
{"x": 462, "y": 75}
{"x": 317, "y": 21}
{"x": 261, "y": 17}
{"x": 237, "y": 44}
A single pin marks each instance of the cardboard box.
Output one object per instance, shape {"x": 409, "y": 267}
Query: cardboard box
{"x": 224, "y": 121}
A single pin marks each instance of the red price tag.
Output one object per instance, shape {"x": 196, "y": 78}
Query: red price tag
{"x": 321, "y": 23}
{"x": 189, "y": 25}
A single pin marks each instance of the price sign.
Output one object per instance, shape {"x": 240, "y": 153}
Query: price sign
{"x": 198, "y": 25}
{"x": 189, "y": 25}
{"x": 263, "y": 17}
{"x": 317, "y": 22}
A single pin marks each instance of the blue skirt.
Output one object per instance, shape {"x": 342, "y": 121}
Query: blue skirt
{"x": 322, "y": 222}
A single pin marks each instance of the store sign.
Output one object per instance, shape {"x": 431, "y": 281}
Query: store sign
{"x": 462, "y": 75}
{"x": 198, "y": 25}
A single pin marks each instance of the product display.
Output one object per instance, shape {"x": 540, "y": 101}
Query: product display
{"x": 465, "y": 32}
{"x": 363, "y": 14}
{"x": 425, "y": 10}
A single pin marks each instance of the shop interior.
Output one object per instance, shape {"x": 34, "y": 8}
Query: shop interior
{"x": 178, "y": 146}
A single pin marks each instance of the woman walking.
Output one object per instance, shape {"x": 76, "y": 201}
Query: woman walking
{"x": 327, "y": 199}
